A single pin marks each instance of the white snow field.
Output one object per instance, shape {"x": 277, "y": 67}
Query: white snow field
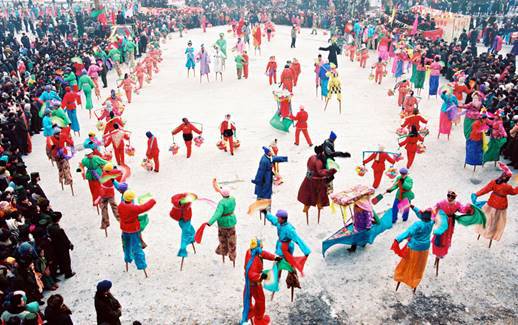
{"x": 475, "y": 284}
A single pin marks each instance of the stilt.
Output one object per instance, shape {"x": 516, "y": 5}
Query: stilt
{"x": 474, "y": 168}
{"x": 223, "y": 257}
{"x": 490, "y": 242}
{"x": 292, "y": 293}
{"x": 414, "y": 290}
{"x": 97, "y": 207}
{"x": 145, "y": 273}
{"x": 106, "y": 232}
{"x": 72, "y": 189}
{"x": 194, "y": 248}
{"x": 181, "y": 264}
{"x": 126, "y": 267}
{"x": 234, "y": 264}
{"x": 264, "y": 219}
{"x": 478, "y": 237}
{"x": 318, "y": 216}
{"x": 307, "y": 218}
{"x": 327, "y": 102}
{"x": 62, "y": 187}
{"x": 397, "y": 285}
{"x": 340, "y": 106}
{"x": 464, "y": 165}
{"x": 273, "y": 294}
{"x": 436, "y": 267}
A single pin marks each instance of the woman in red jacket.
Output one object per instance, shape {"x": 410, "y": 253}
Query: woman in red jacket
{"x": 410, "y": 144}
{"x": 187, "y": 129}
{"x": 227, "y": 129}
{"x": 152, "y": 150}
{"x": 182, "y": 212}
{"x": 378, "y": 166}
{"x": 496, "y": 208}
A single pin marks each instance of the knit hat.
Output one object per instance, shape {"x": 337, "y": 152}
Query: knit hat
{"x": 129, "y": 196}
{"x": 149, "y": 134}
{"x": 403, "y": 171}
{"x": 266, "y": 150}
{"x": 282, "y": 214}
{"x": 104, "y": 286}
{"x": 332, "y": 135}
{"x": 255, "y": 242}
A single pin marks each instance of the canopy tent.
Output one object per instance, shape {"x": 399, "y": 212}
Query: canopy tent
{"x": 451, "y": 24}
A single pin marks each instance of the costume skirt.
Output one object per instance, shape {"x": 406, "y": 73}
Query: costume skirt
{"x": 410, "y": 269}
{"x": 474, "y": 153}
{"x": 495, "y": 223}
{"x": 434, "y": 85}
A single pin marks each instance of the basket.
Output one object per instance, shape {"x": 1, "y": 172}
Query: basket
{"x": 421, "y": 148}
{"x": 147, "y": 165}
{"x": 221, "y": 145}
{"x": 198, "y": 141}
{"x": 361, "y": 170}
{"x": 391, "y": 173}
{"x": 130, "y": 151}
{"x": 174, "y": 149}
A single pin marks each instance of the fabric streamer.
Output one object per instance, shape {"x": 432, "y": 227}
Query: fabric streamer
{"x": 330, "y": 164}
{"x": 403, "y": 205}
{"x": 403, "y": 253}
{"x": 296, "y": 262}
{"x": 144, "y": 198}
{"x": 199, "y": 233}
{"x": 143, "y": 219}
{"x": 259, "y": 205}
{"x": 478, "y": 217}
{"x": 271, "y": 283}
{"x": 377, "y": 198}
{"x": 475, "y": 202}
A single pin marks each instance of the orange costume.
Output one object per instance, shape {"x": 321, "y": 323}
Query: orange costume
{"x": 271, "y": 71}
{"x": 364, "y": 55}
{"x": 379, "y": 70}
{"x": 403, "y": 88}
{"x": 414, "y": 120}
{"x": 295, "y": 67}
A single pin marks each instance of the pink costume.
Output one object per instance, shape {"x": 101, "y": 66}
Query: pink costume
{"x": 441, "y": 245}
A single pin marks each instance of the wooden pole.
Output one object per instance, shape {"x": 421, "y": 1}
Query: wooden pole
{"x": 397, "y": 285}
{"x": 145, "y": 273}
{"x": 318, "y": 217}
{"x": 307, "y": 218}
{"x": 292, "y": 293}
{"x": 126, "y": 267}
{"x": 490, "y": 242}
{"x": 437, "y": 266}
{"x": 193, "y": 247}
{"x": 181, "y": 264}
{"x": 106, "y": 232}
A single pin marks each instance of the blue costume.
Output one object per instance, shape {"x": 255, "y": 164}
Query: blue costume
{"x": 48, "y": 129}
{"x": 419, "y": 233}
{"x": 49, "y": 95}
{"x": 324, "y": 79}
{"x": 287, "y": 233}
{"x": 191, "y": 63}
{"x": 264, "y": 178}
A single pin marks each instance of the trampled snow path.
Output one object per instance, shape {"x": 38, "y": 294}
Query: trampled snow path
{"x": 475, "y": 285}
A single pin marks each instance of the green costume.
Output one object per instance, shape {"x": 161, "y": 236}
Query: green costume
{"x": 222, "y": 44}
{"x": 86, "y": 84}
{"x": 71, "y": 79}
{"x": 406, "y": 187}
{"x": 224, "y": 214}
{"x": 115, "y": 55}
{"x": 239, "y": 61}
{"x": 93, "y": 167}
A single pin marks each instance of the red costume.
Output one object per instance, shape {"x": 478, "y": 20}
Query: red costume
{"x": 116, "y": 139}
{"x": 379, "y": 70}
{"x": 409, "y": 103}
{"x": 227, "y": 130}
{"x": 410, "y": 144}
{"x": 129, "y": 212}
{"x": 152, "y": 152}
{"x": 271, "y": 71}
{"x": 352, "y": 51}
{"x": 458, "y": 89}
{"x": 187, "y": 129}
{"x": 403, "y": 88}
{"x": 301, "y": 125}
{"x": 364, "y": 55}
{"x": 69, "y": 100}
{"x": 140, "y": 72}
{"x": 59, "y": 141}
{"x": 257, "y": 308}
{"x": 414, "y": 120}
{"x": 287, "y": 78}
{"x": 295, "y": 67}
{"x": 180, "y": 211}
{"x": 499, "y": 193}
{"x": 127, "y": 85}
{"x": 378, "y": 166}
{"x": 313, "y": 190}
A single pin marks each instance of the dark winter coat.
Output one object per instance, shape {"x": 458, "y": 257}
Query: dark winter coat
{"x": 264, "y": 178}
{"x": 107, "y": 309}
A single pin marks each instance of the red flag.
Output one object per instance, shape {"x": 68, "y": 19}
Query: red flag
{"x": 199, "y": 233}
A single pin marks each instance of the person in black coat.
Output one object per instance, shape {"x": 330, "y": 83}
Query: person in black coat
{"x": 107, "y": 308}
{"x": 334, "y": 51}
{"x": 61, "y": 245}
{"x": 57, "y": 313}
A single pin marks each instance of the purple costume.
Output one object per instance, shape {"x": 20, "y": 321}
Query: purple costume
{"x": 204, "y": 60}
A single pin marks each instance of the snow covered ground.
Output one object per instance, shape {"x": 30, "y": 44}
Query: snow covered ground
{"x": 475, "y": 284}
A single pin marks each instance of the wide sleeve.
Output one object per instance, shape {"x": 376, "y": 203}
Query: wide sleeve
{"x": 146, "y": 206}
{"x": 261, "y": 172}
{"x": 324, "y": 48}
{"x": 302, "y": 245}
{"x": 268, "y": 256}
{"x": 442, "y": 220}
{"x": 217, "y": 214}
{"x": 177, "y": 129}
{"x": 390, "y": 159}
{"x": 279, "y": 159}
{"x": 369, "y": 159}
{"x": 486, "y": 189}
{"x": 409, "y": 232}
{"x": 195, "y": 129}
{"x": 272, "y": 219}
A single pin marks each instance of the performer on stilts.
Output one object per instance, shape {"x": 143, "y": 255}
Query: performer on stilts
{"x": 334, "y": 87}
{"x": 130, "y": 227}
{"x": 414, "y": 255}
{"x": 191, "y": 62}
{"x": 285, "y": 247}
{"x": 254, "y": 275}
{"x": 378, "y": 166}
{"x": 403, "y": 183}
{"x": 182, "y": 212}
{"x": 496, "y": 207}
{"x": 313, "y": 190}
{"x": 93, "y": 165}
{"x": 107, "y": 195}
{"x": 271, "y": 70}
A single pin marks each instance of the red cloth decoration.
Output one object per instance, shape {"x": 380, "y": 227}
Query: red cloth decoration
{"x": 403, "y": 253}
{"x": 199, "y": 233}
{"x": 296, "y": 262}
